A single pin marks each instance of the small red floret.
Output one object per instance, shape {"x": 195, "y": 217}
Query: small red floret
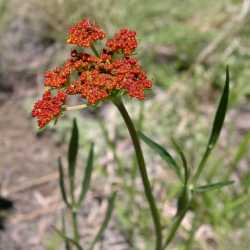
{"x": 48, "y": 108}
{"x": 58, "y": 77}
{"x": 124, "y": 40}
{"x": 85, "y": 33}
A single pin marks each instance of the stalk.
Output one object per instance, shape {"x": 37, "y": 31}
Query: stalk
{"x": 76, "y": 107}
{"x": 143, "y": 171}
{"x": 174, "y": 228}
{"x": 73, "y": 212}
{"x": 75, "y": 225}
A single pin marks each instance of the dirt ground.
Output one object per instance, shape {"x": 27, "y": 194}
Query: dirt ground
{"x": 28, "y": 176}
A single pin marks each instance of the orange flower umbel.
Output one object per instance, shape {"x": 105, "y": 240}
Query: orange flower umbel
{"x": 48, "y": 108}
{"x": 84, "y": 33}
{"x": 124, "y": 40}
{"x": 98, "y": 76}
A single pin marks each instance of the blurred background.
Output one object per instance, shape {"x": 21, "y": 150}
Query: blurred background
{"x": 185, "y": 46}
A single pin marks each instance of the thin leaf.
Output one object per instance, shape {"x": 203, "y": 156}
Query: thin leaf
{"x": 217, "y": 125}
{"x": 69, "y": 240}
{"x": 61, "y": 182}
{"x": 105, "y": 223}
{"x": 73, "y": 149}
{"x": 87, "y": 175}
{"x": 220, "y": 113}
{"x": 163, "y": 153}
{"x": 184, "y": 160}
{"x": 213, "y": 186}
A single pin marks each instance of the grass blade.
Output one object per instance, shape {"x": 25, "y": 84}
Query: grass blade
{"x": 61, "y": 182}
{"x": 87, "y": 175}
{"x": 184, "y": 161}
{"x": 107, "y": 218}
{"x": 73, "y": 149}
{"x": 69, "y": 240}
{"x": 213, "y": 186}
{"x": 220, "y": 114}
{"x": 217, "y": 125}
{"x": 162, "y": 152}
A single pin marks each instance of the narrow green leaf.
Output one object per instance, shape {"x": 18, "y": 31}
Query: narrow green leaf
{"x": 217, "y": 125}
{"x": 163, "y": 153}
{"x": 87, "y": 175}
{"x": 220, "y": 113}
{"x": 61, "y": 182}
{"x": 105, "y": 223}
{"x": 184, "y": 160}
{"x": 73, "y": 149}
{"x": 213, "y": 186}
{"x": 66, "y": 238}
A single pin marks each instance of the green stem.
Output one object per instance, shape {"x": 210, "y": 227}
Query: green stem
{"x": 73, "y": 211}
{"x": 174, "y": 228}
{"x": 143, "y": 171}
{"x": 202, "y": 164}
{"x": 75, "y": 226}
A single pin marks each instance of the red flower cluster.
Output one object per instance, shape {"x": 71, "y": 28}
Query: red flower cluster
{"x": 48, "y": 108}
{"x": 56, "y": 78}
{"x": 98, "y": 77}
{"x": 124, "y": 40}
{"x": 102, "y": 76}
{"x": 85, "y": 33}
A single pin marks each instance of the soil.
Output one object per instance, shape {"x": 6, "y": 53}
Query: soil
{"x": 28, "y": 177}
{"x": 24, "y": 159}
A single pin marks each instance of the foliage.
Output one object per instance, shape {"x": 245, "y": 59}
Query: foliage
{"x": 172, "y": 37}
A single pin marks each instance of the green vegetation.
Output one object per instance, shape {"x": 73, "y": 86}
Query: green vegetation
{"x": 188, "y": 77}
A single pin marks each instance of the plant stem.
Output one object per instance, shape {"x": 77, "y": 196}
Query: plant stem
{"x": 73, "y": 211}
{"x": 174, "y": 228}
{"x": 75, "y": 226}
{"x": 202, "y": 164}
{"x": 76, "y": 107}
{"x": 143, "y": 171}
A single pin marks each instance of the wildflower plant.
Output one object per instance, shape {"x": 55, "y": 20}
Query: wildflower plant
{"x": 73, "y": 203}
{"x": 108, "y": 74}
